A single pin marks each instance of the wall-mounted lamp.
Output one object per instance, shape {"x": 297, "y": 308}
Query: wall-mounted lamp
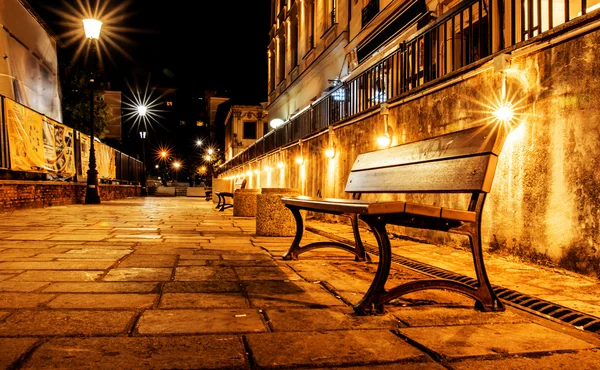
{"x": 384, "y": 140}
{"x": 267, "y": 169}
{"x": 257, "y": 171}
{"x": 276, "y": 122}
{"x": 280, "y": 165}
{"x": 300, "y": 158}
{"x": 330, "y": 151}
{"x": 248, "y": 173}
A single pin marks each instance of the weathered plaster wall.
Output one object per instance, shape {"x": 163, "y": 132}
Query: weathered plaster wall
{"x": 544, "y": 205}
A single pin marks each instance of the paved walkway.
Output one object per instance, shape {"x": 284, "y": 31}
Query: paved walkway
{"x": 172, "y": 283}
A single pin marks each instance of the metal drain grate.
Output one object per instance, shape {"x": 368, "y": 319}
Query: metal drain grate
{"x": 537, "y": 306}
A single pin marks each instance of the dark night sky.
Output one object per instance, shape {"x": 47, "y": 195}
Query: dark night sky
{"x": 190, "y": 45}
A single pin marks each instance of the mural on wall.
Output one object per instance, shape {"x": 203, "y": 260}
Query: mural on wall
{"x": 37, "y": 143}
{"x": 105, "y": 158}
{"x": 25, "y": 137}
{"x": 58, "y": 148}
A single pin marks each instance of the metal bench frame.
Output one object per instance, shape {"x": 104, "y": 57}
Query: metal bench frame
{"x": 470, "y": 158}
{"x": 222, "y": 204}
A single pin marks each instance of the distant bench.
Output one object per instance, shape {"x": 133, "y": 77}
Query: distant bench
{"x": 224, "y": 196}
{"x": 459, "y": 162}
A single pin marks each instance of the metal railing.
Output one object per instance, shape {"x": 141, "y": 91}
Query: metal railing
{"x": 470, "y": 31}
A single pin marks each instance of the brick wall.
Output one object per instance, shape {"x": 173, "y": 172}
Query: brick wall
{"x": 37, "y": 194}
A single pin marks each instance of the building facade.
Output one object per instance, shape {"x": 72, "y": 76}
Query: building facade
{"x": 29, "y": 63}
{"x": 244, "y": 124}
{"x": 439, "y": 67}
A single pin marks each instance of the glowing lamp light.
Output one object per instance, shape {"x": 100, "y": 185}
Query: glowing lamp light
{"x": 208, "y": 157}
{"x": 256, "y": 171}
{"x": 330, "y": 153}
{"x": 210, "y": 151}
{"x": 276, "y": 122}
{"x": 299, "y": 160}
{"x": 384, "y": 140}
{"x": 248, "y": 173}
{"x": 504, "y": 113}
{"x": 198, "y": 142}
{"x": 92, "y": 28}
{"x": 176, "y": 165}
{"x": 156, "y": 166}
{"x": 267, "y": 169}
{"x": 142, "y": 109}
{"x": 163, "y": 154}
{"x": 280, "y": 165}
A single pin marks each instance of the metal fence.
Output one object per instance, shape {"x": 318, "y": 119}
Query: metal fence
{"x": 470, "y": 31}
{"x": 128, "y": 170}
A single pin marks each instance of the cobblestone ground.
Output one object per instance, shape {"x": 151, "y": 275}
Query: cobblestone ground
{"x": 170, "y": 282}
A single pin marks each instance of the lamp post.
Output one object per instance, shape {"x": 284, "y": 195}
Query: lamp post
{"x": 144, "y": 191}
{"x": 176, "y": 165}
{"x": 92, "y": 33}
{"x": 142, "y": 109}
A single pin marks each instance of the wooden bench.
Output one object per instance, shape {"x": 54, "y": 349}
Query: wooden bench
{"x": 207, "y": 193}
{"x": 225, "y": 195}
{"x": 459, "y": 162}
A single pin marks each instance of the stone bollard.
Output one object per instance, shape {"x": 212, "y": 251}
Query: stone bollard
{"x": 272, "y": 217}
{"x": 244, "y": 202}
{"x": 220, "y": 185}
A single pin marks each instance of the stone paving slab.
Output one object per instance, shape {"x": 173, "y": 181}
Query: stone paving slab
{"x": 202, "y": 287}
{"x": 58, "y": 276}
{"x": 198, "y": 352}
{"x": 304, "y": 319}
{"x": 67, "y": 322}
{"x": 21, "y": 286}
{"x": 11, "y": 349}
{"x": 584, "y": 360}
{"x": 139, "y": 274}
{"x": 266, "y": 293}
{"x": 24, "y": 300}
{"x": 203, "y": 300}
{"x": 205, "y": 273}
{"x": 209, "y": 321}
{"x": 336, "y": 348}
{"x": 493, "y": 339}
{"x": 102, "y": 287}
{"x": 149, "y": 260}
{"x": 71, "y": 265}
{"x": 439, "y": 316}
{"x": 103, "y": 301}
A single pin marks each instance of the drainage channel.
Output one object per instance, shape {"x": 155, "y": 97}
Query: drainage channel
{"x": 537, "y": 306}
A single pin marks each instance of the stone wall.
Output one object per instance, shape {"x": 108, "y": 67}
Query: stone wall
{"x": 35, "y": 194}
{"x": 545, "y": 201}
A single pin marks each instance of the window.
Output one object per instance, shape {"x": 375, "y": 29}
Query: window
{"x": 169, "y": 104}
{"x": 310, "y": 24}
{"x": 294, "y": 41}
{"x": 265, "y": 128}
{"x": 249, "y": 129}
{"x": 281, "y": 58}
{"x": 369, "y": 11}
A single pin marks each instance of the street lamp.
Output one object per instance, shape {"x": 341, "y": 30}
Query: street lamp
{"x": 92, "y": 33}
{"x": 176, "y": 165}
{"x": 144, "y": 191}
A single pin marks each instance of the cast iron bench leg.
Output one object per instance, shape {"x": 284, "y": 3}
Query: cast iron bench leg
{"x": 295, "y": 250}
{"x": 219, "y": 198}
{"x": 375, "y": 298}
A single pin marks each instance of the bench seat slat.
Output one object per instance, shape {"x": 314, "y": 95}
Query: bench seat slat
{"x": 467, "y": 174}
{"x": 338, "y": 206}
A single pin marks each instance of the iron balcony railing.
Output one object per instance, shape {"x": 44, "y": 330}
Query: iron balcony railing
{"x": 471, "y": 31}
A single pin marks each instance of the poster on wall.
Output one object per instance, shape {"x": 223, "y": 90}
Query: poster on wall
{"x": 58, "y": 148}
{"x": 105, "y": 158}
{"x": 25, "y": 137}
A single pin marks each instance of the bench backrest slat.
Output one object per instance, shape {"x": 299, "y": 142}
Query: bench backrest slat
{"x": 463, "y": 161}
